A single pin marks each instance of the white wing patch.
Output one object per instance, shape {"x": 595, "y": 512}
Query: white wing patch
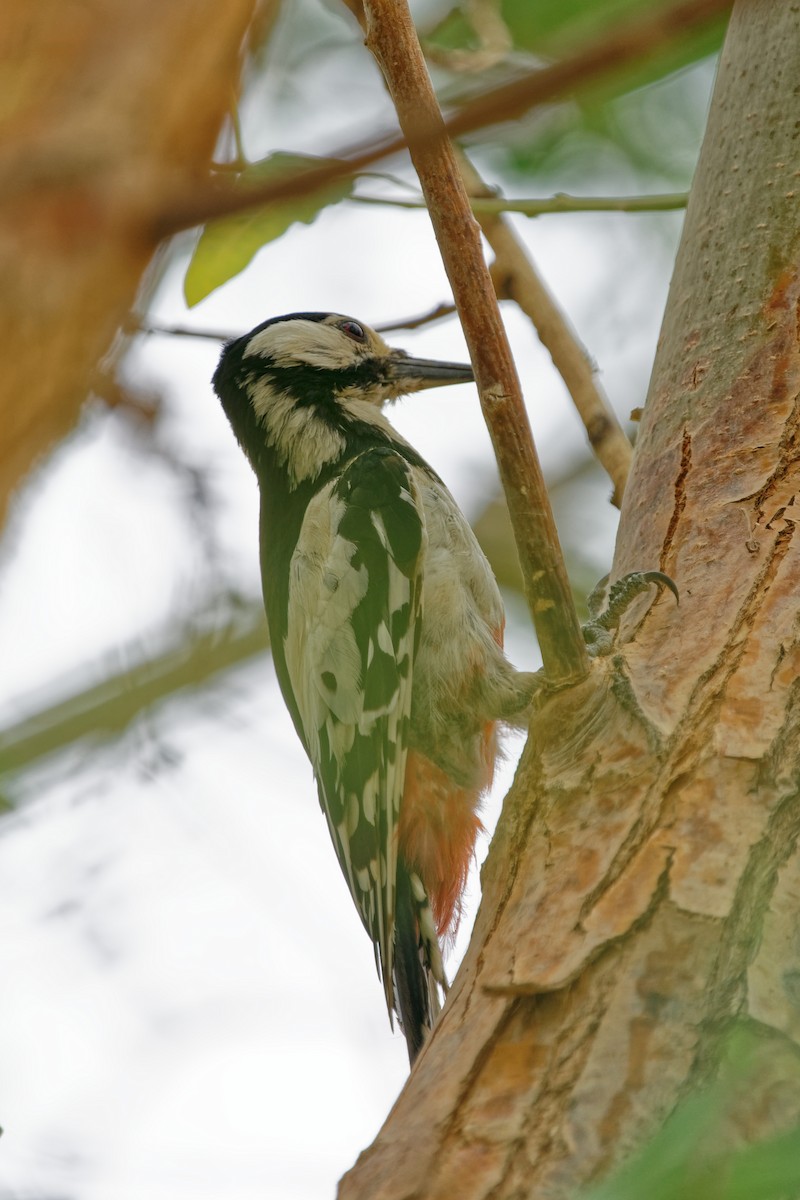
{"x": 353, "y": 620}
{"x": 324, "y": 589}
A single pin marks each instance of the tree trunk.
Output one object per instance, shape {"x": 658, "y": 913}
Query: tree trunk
{"x": 641, "y": 896}
{"x": 107, "y": 107}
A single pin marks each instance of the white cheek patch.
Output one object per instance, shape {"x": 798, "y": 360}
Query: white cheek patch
{"x": 324, "y": 590}
{"x": 304, "y": 441}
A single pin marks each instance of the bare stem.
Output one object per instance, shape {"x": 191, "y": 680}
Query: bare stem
{"x": 145, "y": 326}
{"x": 392, "y": 38}
{"x": 515, "y": 278}
{"x": 491, "y": 205}
{"x": 435, "y": 314}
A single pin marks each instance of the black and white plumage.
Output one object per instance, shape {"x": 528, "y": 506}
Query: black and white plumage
{"x": 386, "y": 628}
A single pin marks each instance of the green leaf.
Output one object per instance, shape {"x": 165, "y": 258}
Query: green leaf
{"x": 453, "y": 32}
{"x": 642, "y": 116}
{"x": 700, "y": 1152}
{"x": 554, "y": 29}
{"x": 769, "y": 1170}
{"x": 673, "y": 1166}
{"x": 227, "y": 246}
{"x": 666, "y": 1169}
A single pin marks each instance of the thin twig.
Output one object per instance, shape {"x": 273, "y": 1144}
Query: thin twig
{"x": 493, "y": 205}
{"x": 436, "y": 314}
{"x": 630, "y": 41}
{"x": 392, "y": 39}
{"x": 516, "y": 278}
{"x": 145, "y": 326}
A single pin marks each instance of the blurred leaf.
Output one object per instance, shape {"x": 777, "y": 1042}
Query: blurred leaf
{"x": 226, "y": 247}
{"x": 453, "y": 32}
{"x": 666, "y": 1169}
{"x": 767, "y": 1171}
{"x": 644, "y": 112}
{"x": 699, "y": 1152}
{"x": 547, "y": 27}
{"x": 673, "y": 1167}
{"x": 656, "y": 131}
{"x": 550, "y": 29}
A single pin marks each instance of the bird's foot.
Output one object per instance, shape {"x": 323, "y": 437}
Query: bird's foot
{"x": 600, "y": 631}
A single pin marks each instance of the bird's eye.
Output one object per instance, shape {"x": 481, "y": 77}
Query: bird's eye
{"x": 353, "y": 330}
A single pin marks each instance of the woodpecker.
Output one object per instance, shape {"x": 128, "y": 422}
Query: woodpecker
{"x": 386, "y": 627}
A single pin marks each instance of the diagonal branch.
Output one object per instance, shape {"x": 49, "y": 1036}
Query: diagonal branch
{"x": 515, "y": 278}
{"x": 495, "y": 204}
{"x": 630, "y": 41}
{"x": 105, "y": 709}
{"x": 392, "y": 38}
{"x": 147, "y": 326}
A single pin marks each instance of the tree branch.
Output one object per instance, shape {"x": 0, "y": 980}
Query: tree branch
{"x": 147, "y": 326}
{"x": 92, "y": 128}
{"x": 189, "y": 660}
{"x": 392, "y": 38}
{"x": 136, "y": 324}
{"x": 628, "y": 42}
{"x": 435, "y": 314}
{"x": 631, "y": 41}
{"x": 516, "y": 278}
{"x": 493, "y": 204}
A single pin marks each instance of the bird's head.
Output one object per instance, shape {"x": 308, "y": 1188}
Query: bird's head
{"x": 304, "y": 385}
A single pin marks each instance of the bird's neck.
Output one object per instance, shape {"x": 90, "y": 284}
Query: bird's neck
{"x": 308, "y": 438}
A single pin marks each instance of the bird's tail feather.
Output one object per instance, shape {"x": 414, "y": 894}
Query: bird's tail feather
{"x": 418, "y": 968}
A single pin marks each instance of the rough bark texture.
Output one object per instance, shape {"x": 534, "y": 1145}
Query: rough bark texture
{"x": 641, "y": 896}
{"x": 106, "y": 107}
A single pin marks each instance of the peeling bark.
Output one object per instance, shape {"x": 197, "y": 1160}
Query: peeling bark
{"x": 640, "y": 899}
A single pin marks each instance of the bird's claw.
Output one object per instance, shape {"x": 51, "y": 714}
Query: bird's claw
{"x": 659, "y": 578}
{"x": 600, "y": 632}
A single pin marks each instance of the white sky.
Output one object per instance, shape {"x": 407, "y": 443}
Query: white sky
{"x": 189, "y": 1004}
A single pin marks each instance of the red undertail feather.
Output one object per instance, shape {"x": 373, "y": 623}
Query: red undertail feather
{"x": 439, "y": 825}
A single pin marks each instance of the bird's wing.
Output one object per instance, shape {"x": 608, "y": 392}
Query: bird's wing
{"x": 353, "y": 628}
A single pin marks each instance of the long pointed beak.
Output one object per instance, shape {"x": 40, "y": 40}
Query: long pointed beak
{"x": 415, "y": 374}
